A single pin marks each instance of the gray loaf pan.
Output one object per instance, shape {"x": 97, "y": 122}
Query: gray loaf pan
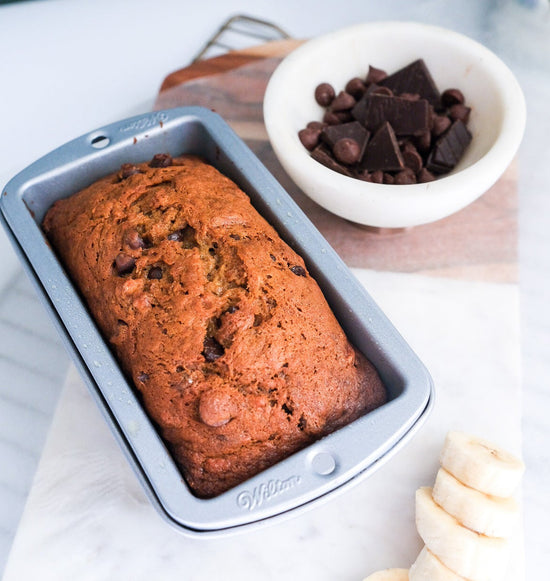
{"x": 321, "y": 470}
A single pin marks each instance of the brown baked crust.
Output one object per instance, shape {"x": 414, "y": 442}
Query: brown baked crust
{"x": 237, "y": 356}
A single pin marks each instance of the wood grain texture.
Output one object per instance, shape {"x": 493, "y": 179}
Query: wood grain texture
{"x": 477, "y": 243}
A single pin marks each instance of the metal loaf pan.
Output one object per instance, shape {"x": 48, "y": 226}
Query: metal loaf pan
{"x": 320, "y": 470}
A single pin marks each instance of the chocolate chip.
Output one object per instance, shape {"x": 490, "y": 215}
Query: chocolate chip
{"x": 355, "y": 87}
{"x": 155, "y": 273}
{"x": 344, "y": 116}
{"x": 452, "y": 97}
{"x": 364, "y": 175}
{"x": 161, "y": 160}
{"x": 375, "y": 75}
{"x": 342, "y": 102}
{"x": 298, "y": 270}
{"x": 235, "y": 236}
{"x": 388, "y": 178}
{"x": 424, "y": 176}
{"x": 347, "y": 151}
{"x": 309, "y": 138}
{"x": 424, "y": 142}
{"x": 331, "y": 118}
{"x": 459, "y": 112}
{"x": 412, "y": 160}
{"x": 324, "y": 94}
{"x": 354, "y": 130}
{"x": 212, "y": 350}
{"x": 176, "y": 236}
{"x": 377, "y": 177}
{"x": 185, "y": 235}
{"x": 134, "y": 240}
{"x": 143, "y": 377}
{"x": 315, "y": 125}
{"x": 124, "y": 264}
{"x": 232, "y": 309}
{"x": 440, "y": 124}
{"x": 127, "y": 170}
{"x": 405, "y": 177}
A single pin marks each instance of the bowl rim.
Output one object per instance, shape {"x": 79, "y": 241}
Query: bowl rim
{"x": 485, "y": 170}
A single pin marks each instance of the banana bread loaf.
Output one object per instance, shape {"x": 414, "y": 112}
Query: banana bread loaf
{"x": 236, "y": 354}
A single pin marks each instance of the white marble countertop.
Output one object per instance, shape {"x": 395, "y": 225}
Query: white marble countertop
{"x": 68, "y": 66}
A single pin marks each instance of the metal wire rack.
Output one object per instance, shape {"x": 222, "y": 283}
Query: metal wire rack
{"x": 238, "y": 32}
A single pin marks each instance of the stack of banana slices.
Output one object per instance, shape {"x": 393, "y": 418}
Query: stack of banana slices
{"x": 468, "y": 517}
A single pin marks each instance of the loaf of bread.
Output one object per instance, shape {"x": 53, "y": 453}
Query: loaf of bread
{"x": 235, "y": 352}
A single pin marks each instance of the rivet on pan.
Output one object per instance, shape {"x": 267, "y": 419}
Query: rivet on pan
{"x": 323, "y": 463}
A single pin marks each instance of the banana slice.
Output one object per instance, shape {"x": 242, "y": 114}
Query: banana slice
{"x": 428, "y": 567}
{"x": 467, "y": 553}
{"x": 389, "y": 575}
{"x": 481, "y": 465}
{"x": 491, "y": 515}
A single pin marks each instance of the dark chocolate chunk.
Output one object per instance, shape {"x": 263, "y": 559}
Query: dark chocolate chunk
{"x": 322, "y": 155}
{"x": 409, "y": 96}
{"x": 449, "y": 148}
{"x": 342, "y": 102}
{"x": 161, "y": 160}
{"x": 382, "y": 152}
{"x": 124, "y": 264}
{"x": 212, "y": 350}
{"x": 414, "y": 78}
{"x": 360, "y": 109}
{"x": 375, "y": 75}
{"x": 324, "y": 94}
{"x": 309, "y": 137}
{"x": 405, "y": 117}
{"x": 451, "y": 97}
{"x": 347, "y": 151}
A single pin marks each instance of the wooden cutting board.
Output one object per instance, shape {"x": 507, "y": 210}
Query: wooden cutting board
{"x": 477, "y": 243}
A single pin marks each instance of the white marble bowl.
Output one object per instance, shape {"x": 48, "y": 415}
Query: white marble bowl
{"x": 497, "y": 120}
